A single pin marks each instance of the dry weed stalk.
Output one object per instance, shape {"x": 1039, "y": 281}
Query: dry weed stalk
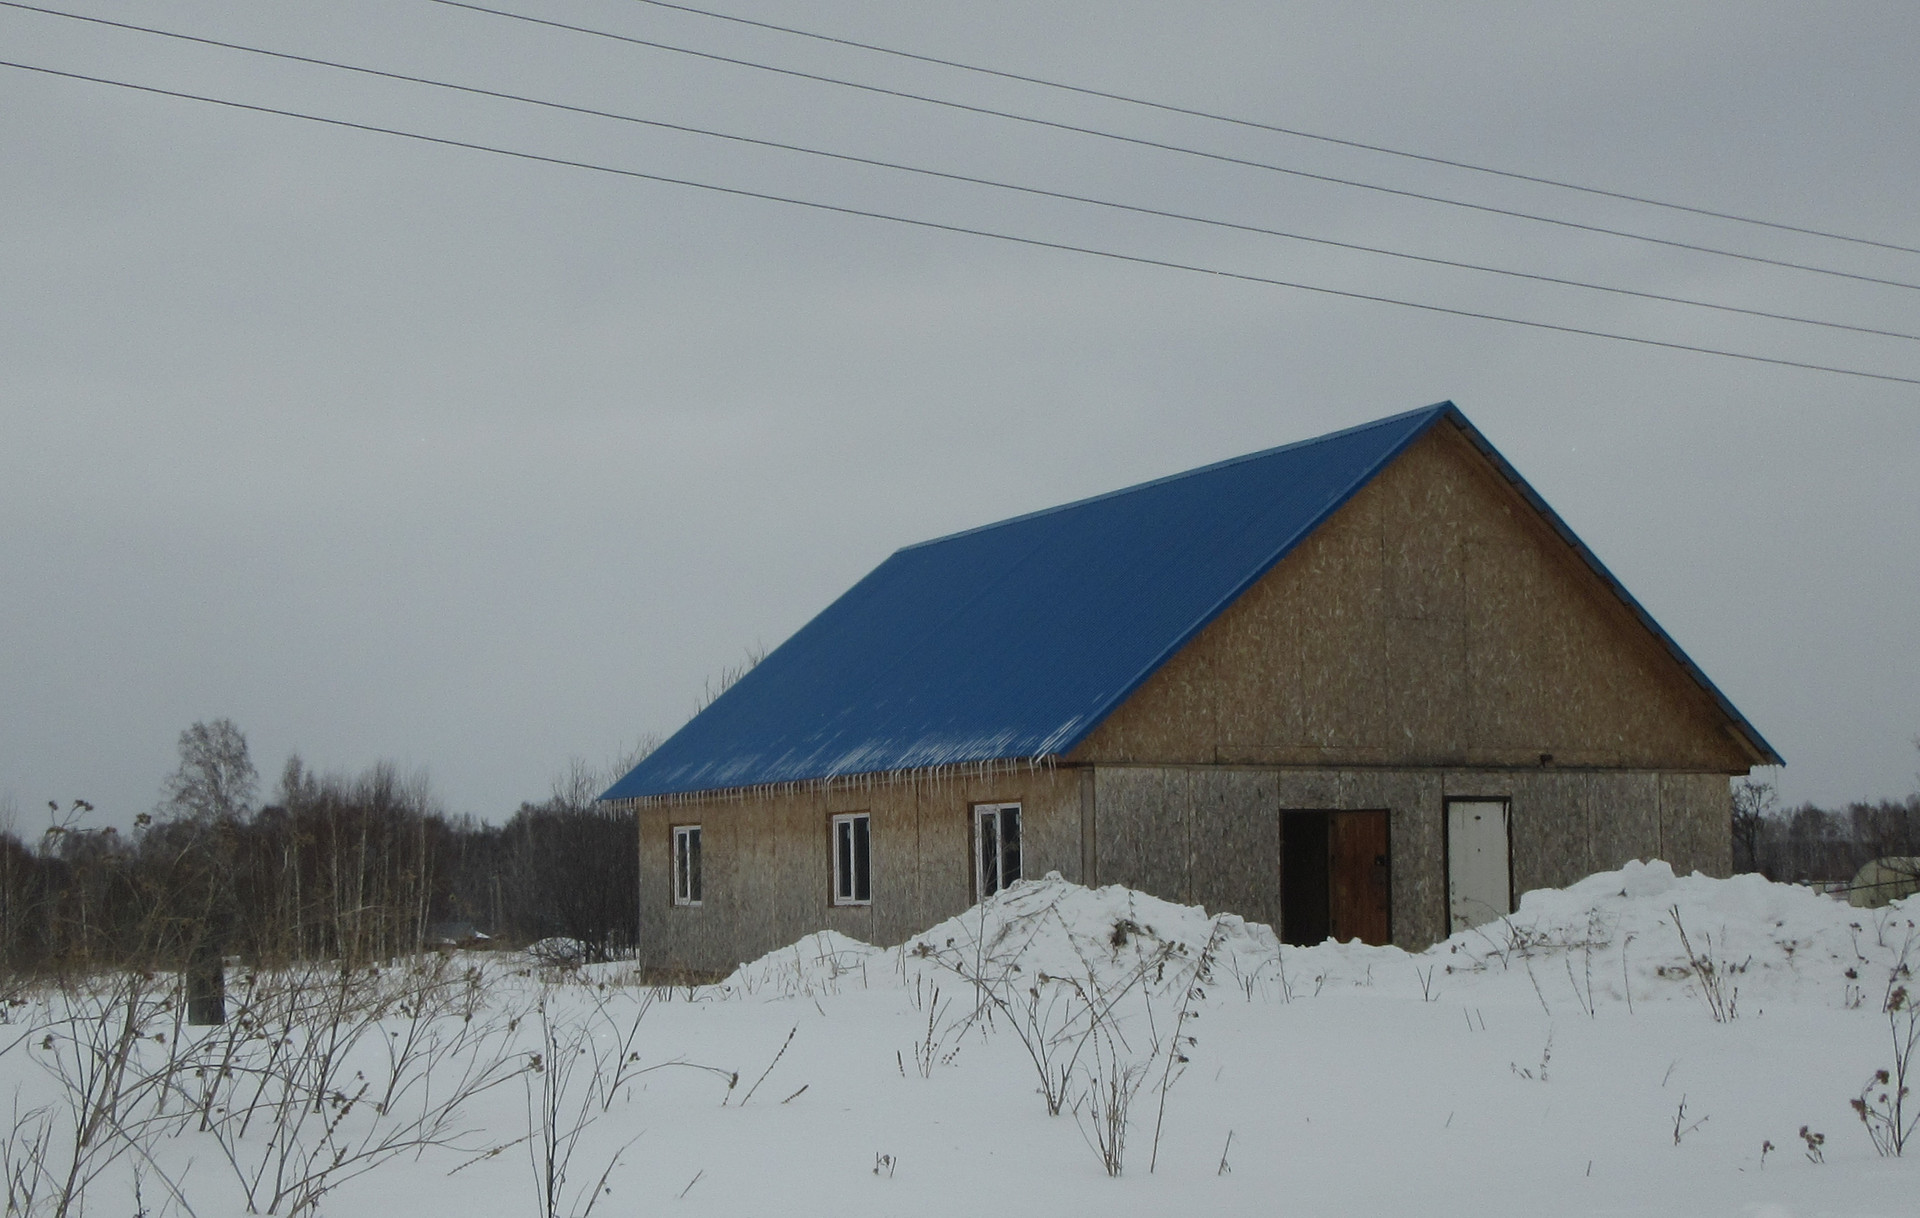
{"x": 1055, "y": 1019}
{"x": 931, "y": 1048}
{"x": 1681, "y": 1128}
{"x": 576, "y": 1072}
{"x": 1112, "y": 1082}
{"x": 558, "y": 1113}
{"x": 1721, "y": 996}
{"x": 1176, "y": 1052}
{"x": 344, "y": 1068}
{"x": 1882, "y": 1103}
{"x": 113, "y": 1045}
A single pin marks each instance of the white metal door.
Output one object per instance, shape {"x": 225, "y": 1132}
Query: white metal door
{"x": 1479, "y": 884}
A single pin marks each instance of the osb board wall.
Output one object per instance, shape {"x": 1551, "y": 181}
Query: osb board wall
{"x": 1210, "y": 835}
{"x": 767, "y": 868}
{"x": 1433, "y": 620}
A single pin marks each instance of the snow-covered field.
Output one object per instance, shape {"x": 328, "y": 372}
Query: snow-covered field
{"x": 1575, "y": 1059}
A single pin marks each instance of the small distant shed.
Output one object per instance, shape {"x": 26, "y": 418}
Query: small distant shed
{"x": 1368, "y": 686}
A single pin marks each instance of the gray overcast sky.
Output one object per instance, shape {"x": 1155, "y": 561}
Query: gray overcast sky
{"x": 386, "y": 450}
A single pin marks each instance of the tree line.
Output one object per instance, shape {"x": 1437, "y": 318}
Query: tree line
{"x": 369, "y": 866}
{"x": 1811, "y": 843}
{"x": 359, "y": 867}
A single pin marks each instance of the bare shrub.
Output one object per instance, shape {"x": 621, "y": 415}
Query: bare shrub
{"x": 931, "y": 1049}
{"x": 1056, "y": 1019}
{"x": 339, "y": 1069}
{"x": 1112, "y": 1080}
{"x": 1882, "y": 1103}
{"x": 111, "y": 1043}
{"x": 1712, "y": 978}
{"x": 1191, "y": 995}
{"x": 26, "y": 1159}
{"x": 559, "y": 1110}
{"x": 573, "y": 1079}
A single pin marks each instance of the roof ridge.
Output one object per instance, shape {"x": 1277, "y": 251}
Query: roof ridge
{"x": 1438, "y": 408}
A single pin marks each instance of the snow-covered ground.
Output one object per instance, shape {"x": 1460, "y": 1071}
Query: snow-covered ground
{"x": 1566, "y": 1061}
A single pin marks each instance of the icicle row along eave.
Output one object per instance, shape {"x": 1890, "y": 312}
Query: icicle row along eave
{"x": 935, "y": 776}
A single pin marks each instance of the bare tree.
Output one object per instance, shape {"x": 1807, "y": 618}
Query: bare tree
{"x": 216, "y": 780}
{"x": 729, "y": 677}
{"x": 208, "y": 795}
{"x": 573, "y": 862}
{"x": 1753, "y": 802}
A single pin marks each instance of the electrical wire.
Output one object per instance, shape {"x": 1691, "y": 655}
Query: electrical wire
{"x": 1254, "y": 124}
{"x": 1138, "y": 141}
{"x": 939, "y": 226}
{"x": 956, "y": 177}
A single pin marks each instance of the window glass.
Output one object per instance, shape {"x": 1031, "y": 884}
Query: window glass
{"x": 996, "y": 840}
{"x": 852, "y": 859}
{"x": 686, "y": 864}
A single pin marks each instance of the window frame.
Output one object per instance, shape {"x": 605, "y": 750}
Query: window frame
{"x": 998, "y": 813}
{"x": 857, "y": 829}
{"x": 685, "y": 866}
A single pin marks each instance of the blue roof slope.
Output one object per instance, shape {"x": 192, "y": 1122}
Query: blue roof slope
{"x": 1018, "y": 638}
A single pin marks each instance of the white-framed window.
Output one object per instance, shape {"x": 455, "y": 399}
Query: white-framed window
{"x": 996, "y": 848}
{"x": 686, "y": 864}
{"x": 853, "y": 859}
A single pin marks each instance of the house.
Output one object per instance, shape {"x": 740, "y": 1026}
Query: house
{"x": 1368, "y": 686}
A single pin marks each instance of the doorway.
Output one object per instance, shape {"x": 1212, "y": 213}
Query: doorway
{"x": 1335, "y": 877}
{"x": 1479, "y": 867}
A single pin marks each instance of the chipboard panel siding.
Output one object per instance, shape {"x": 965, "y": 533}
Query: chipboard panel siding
{"x": 1694, "y": 820}
{"x": 767, "y": 866}
{"x": 1234, "y": 842}
{"x": 1433, "y": 620}
{"x": 1142, "y": 816}
{"x": 1210, "y": 835}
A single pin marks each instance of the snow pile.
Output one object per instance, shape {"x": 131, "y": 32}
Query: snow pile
{"x": 1034, "y": 929}
{"x": 817, "y": 964}
{"x": 1108, "y": 936}
{"x": 1639, "y": 934}
{"x": 1643, "y": 934}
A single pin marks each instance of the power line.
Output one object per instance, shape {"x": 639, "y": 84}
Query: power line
{"x": 1138, "y": 141}
{"x": 1254, "y": 124}
{"x": 957, "y": 177}
{"x": 1033, "y": 242}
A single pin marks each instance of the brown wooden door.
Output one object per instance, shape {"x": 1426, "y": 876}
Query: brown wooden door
{"x": 1357, "y": 879}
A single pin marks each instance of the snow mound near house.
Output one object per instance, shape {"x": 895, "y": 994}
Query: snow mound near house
{"x": 821, "y": 963}
{"x": 1107, "y": 938}
{"x": 1643, "y": 932}
{"x": 1034, "y": 928}
{"x": 1638, "y": 934}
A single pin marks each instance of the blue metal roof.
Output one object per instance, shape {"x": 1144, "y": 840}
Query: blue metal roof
{"x": 1017, "y": 639}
